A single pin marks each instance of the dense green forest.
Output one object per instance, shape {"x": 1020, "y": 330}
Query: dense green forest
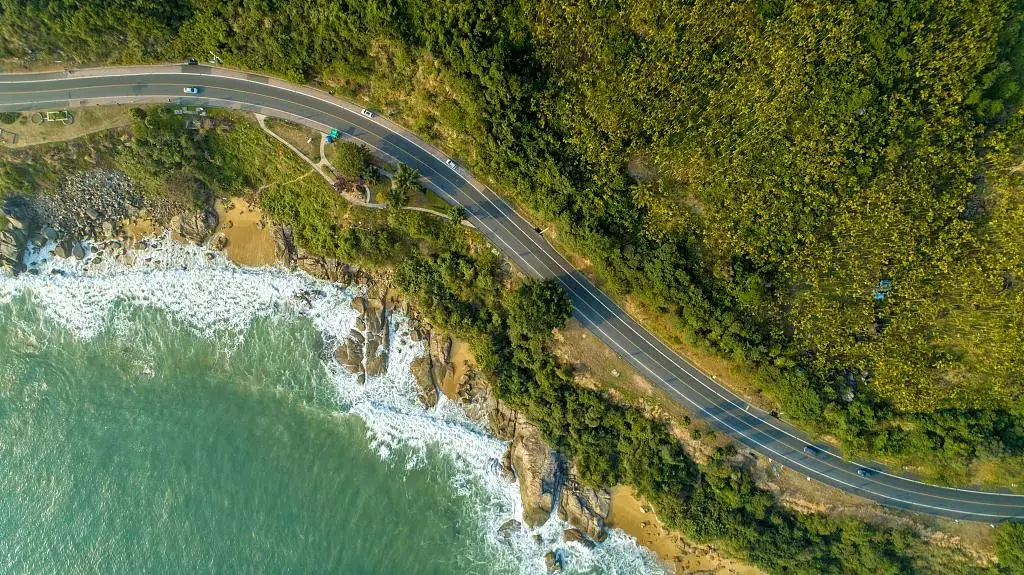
{"x": 755, "y": 171}
{"x": 458, "y": 281}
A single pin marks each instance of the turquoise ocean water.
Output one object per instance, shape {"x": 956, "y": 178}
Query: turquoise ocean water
{"x": 170, "y": 412}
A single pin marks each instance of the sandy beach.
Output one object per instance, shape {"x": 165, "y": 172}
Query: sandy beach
{"x": 678, "y": 555}
{"x": 249, "y": 244}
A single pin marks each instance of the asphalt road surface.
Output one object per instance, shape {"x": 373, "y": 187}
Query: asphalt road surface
{"x": 518, "y": 240}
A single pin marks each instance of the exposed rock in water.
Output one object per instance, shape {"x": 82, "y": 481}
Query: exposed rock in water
{"x": 540, "y": 471}
{"x": 350, "y": 352}
{"x": 506, "y": 469}
{"x": 508, "y": 529}
{"x": 553, "y": 562}
{"x": 365, "y": 350}
{"x": 218, "y": 242}
{"x": 575, "y": 535}
{"x": 425, "y": 380}
{"x": 377, "y": 337}
{"x": 584, "y": 507}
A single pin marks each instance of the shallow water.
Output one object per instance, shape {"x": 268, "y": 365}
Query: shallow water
{"x": 170, "y": 412}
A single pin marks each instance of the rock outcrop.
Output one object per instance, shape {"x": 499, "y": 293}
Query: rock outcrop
{"x": 584, "y": 507}
{"x": 197, "y": 226}
{"x": 350, "y": 352}
{"x": 378, "y": 337}
{"x": 16, "y": 221}
{"x": 429, "y": 395}
{"x": 285, "y": 249}
{"x": 364, "y": 351}
{"x": 553, "y": 561}
{"x": 509, "y": 529}
{"x": 547, "y": 483}
{"x": 576, "y": 536}
{"x": 541, "y": 472}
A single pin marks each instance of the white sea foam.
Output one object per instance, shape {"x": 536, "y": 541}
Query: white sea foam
{"x": 220, "y": 300}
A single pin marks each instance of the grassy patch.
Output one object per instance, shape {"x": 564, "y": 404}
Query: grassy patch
{"x": 305, "y": 139}
{"x": 38, "y": 169}
{"x": 427, "y": 199}
{"x": 86, "y": 121}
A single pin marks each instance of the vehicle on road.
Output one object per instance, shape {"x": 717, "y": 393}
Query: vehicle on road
{"x": 192, "y": 62}
{"x": 811, "y": 450}
{"x": 452, "y": 165}
{"x": 367, "y": 113}
{"x": 642, "y": 350}
{"x": 191, "y": 90}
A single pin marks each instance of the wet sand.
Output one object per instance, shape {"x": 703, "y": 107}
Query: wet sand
{"x": 248, "y": 245}
{"x": 461, "y": 359}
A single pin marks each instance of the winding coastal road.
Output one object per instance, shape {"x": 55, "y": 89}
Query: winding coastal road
{"x": 519, "y": 241}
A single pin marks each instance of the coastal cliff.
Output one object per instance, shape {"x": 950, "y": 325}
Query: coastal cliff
{"x": 547, "y": 482}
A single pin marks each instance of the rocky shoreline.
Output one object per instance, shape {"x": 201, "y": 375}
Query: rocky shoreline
{"x": 101, "y": 206}
{"x": 548, "y": 483}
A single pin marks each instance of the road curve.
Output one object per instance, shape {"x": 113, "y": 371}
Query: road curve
{"x": 520, "y": 242}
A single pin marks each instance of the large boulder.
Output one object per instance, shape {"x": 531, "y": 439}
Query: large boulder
{"x": 508, "y": 529}
{"x": 553, "y": 562}
{"x": 377, "y": 337}
{"x": 540, "y": 471}
{"x": 574, "y": 535}
{"x": 12, "y": 248}
{"x": 585, "y": 507}
{"x": 350, "y": 352}
{"x": 198, "y": 226}
{"x": 440, "y": 348}
{"x": 425, "y": 380}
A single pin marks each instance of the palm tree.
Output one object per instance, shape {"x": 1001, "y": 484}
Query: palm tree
{"x": 405, "y": 178}
{"x": 398, "y": 197}
{"x": 456, "y": 214}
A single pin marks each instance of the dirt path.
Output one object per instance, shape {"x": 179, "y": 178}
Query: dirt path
{"x": 293, "y": 180}
{"x": 326, "y": 170}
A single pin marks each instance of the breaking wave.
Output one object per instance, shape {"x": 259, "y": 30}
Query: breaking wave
{"x": 220, "y": 300}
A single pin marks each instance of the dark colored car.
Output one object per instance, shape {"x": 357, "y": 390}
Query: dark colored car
{"x": 811, "y": 450}
{"x": 193, "y": 62}
{"x": 865, "y": 472}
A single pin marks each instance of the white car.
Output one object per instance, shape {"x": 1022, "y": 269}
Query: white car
{"x": 191, "y": 90}
{"x": 452, "y": 165}
{"x": 367, "y": 113}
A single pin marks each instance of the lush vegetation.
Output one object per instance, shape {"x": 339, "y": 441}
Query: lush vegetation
{"x": 353, "y": 161}
{"x": 457, "y": 279}
{"x": 1010, "y": 546}
{"x": 750, "y": 171}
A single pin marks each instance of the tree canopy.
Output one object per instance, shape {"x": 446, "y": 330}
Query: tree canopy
{"x": 751, "y": 172}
